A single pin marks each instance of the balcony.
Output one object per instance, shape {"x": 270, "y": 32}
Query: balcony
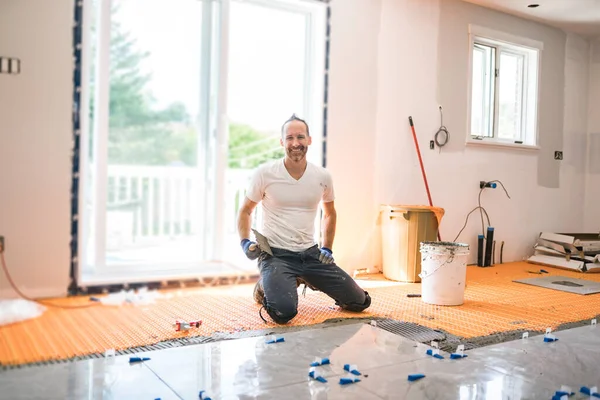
{"x": 154, "y": 223}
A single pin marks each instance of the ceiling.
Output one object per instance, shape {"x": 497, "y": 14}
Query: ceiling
{"x": 577, "y": 16}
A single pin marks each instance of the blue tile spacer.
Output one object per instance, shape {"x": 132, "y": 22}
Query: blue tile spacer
{"x": 138, "y": 359}
{"x": 348, "y": 367}
{"x": 415, "y": 377}
{"x": 347, "y": 381}
{"x": 322, "y": 361}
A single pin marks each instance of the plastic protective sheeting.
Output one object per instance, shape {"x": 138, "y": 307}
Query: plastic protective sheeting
{"x": 18, "y": 310}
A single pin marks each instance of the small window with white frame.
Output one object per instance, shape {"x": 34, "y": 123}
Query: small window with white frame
{"x": 503, "y": 88}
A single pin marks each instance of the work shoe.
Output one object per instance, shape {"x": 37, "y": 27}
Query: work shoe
{"x": 259, "y": 293}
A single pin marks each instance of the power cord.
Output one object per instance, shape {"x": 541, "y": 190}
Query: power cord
{"x": 467, "y": 220}
{"x": 479, "y": 203}
{"x": 442, "y": 131}
{"x": 482, "y": 211}
{"x": 16, "y": 289}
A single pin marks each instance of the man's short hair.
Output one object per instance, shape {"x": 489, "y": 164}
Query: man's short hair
{"x": 294, "y": 118}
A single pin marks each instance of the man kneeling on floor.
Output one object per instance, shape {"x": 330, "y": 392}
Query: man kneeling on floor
{"x": 290, "y": 190}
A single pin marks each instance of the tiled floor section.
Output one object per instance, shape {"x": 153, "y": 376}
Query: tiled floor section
{"x": 251, "y": 369}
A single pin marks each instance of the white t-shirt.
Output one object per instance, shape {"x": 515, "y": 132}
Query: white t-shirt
{"x": 290, "y": 206}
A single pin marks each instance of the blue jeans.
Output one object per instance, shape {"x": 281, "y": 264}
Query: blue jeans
{"x": 278, "y": 275}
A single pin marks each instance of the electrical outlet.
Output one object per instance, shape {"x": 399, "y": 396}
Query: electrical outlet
{"x": 1, "y": 244}
{"x": 431, "y": 144}
{"x": 10, "y": 65}
{"x": 558, "y": 155}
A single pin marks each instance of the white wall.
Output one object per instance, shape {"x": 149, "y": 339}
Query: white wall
{"x": 35, "y": 145}
{"x": 592, "y": 195}
{"x": 573, "y": 171}
{"x": 422, "y": 62}
{"x": 351, "y": 128}
{"x": 406, "y": 87}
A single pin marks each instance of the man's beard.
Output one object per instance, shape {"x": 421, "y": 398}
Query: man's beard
{"x": 297, "y": 154}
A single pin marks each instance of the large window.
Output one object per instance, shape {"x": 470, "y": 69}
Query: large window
{"x": 504, "y": 74}
{"x": 182, "y": 100}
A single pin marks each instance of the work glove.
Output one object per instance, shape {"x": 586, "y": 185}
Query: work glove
{"x": 250, "y": 248}
{"x": 326, "y": 256}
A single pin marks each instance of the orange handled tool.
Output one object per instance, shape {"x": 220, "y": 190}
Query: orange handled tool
{"x": 412, "y": 127}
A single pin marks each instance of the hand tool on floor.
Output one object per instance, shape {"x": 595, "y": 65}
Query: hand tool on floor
{"x": 263, "y": 242}
{"x": 181, "y": 325}
{"x": 541, "y": 271}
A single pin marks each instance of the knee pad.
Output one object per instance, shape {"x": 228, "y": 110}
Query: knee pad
{"x": 280, "y": 317}
{"x": 358, "y": 307}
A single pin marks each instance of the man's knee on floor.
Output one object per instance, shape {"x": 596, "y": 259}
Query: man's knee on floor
{"x": 358, "y": 306}
{"x": 282, "y": 314}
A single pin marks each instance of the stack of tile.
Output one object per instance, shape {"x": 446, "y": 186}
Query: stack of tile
{"x": 579, "y": 252}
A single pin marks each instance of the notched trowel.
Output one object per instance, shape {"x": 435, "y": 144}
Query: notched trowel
{"x": 262, "y": 241}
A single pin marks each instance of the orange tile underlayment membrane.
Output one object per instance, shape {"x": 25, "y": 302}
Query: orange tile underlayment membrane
{"x": 493, "y": 303}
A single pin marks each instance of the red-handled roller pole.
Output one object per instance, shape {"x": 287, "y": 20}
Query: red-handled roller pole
{"x": 412, "y": 127}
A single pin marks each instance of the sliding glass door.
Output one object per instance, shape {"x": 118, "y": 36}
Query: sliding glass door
{"x": 184, "y": 98}
{"x": 275, "y": 68}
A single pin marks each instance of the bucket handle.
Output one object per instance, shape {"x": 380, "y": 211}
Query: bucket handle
{"x": 398, "y": 214}
{"x": 448, "y": 261}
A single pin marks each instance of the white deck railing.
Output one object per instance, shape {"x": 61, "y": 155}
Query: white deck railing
{"x": 153, "y": 202}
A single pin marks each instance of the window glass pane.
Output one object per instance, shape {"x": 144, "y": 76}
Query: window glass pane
{"x": 511, "y": 96}
{"x": 154, "y": 82}
{"x": 482, "y": 94}
{"x": 270, "y": 57}
{"x": 477, "y": 114}
{"x": 267, "y": 80}
{"x": 152, "y": 95}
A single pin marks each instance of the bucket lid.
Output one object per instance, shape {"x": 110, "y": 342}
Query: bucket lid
{"x": 445, "y": 244}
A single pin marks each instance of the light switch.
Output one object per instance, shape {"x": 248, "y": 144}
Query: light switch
{"x": 10, "y": 65}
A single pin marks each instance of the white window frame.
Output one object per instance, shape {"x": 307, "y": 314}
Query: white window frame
{"x": 214, "y": 122}
{"x": 531, "y": 50}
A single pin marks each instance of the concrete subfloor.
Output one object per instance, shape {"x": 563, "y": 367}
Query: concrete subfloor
{"x": 250, "y": 368}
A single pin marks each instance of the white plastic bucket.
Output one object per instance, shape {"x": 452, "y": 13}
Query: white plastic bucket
{"x": 443, "y": 272}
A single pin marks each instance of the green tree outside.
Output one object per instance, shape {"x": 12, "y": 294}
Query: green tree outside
{"x": 141, "y": 134}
